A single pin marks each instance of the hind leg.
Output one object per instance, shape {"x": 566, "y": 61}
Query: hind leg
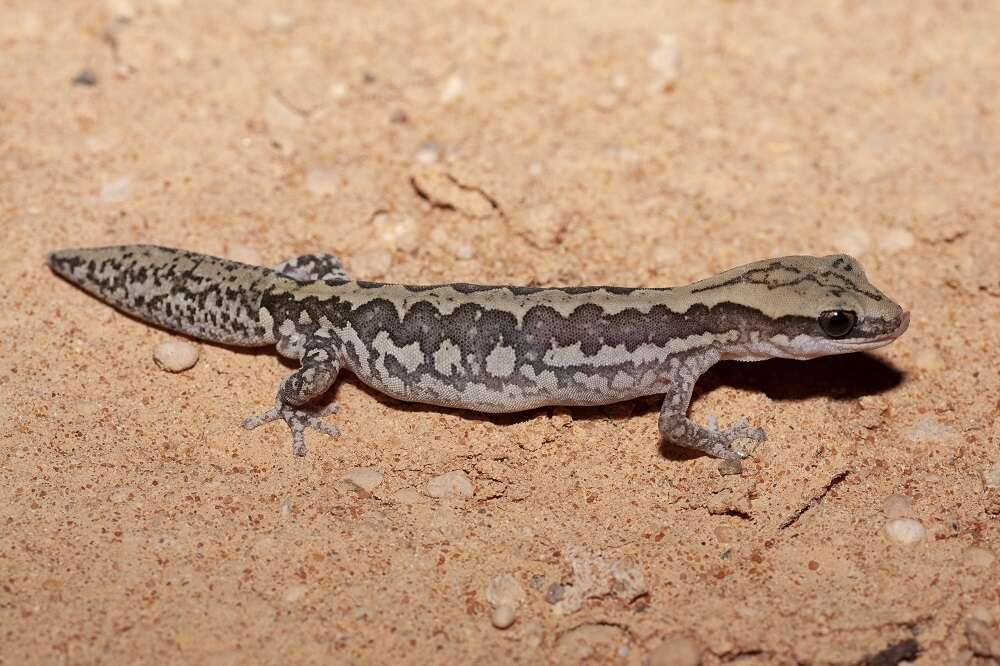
{"x": 311, "y": 267}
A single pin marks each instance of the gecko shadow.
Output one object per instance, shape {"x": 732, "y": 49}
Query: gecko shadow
{"x": 842, "y": 377}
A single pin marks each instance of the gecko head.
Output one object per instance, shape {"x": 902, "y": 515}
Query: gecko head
{"x": 815, "y": 306}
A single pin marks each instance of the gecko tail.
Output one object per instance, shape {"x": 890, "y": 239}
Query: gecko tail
{"x": 196, "y": 294}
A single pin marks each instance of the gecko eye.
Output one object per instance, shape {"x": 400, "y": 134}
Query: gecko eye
{"x": 837, "y": 323}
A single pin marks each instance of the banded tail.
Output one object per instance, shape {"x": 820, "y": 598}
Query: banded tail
{"x": 205, "y": 297}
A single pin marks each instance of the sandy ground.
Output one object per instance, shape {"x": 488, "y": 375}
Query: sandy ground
{"x": 543, "y": 143}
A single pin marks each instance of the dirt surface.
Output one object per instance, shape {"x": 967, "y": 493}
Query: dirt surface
{"x": 548, "y": 143}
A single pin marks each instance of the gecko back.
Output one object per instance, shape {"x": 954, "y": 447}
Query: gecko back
{"x": 205, "y": 297}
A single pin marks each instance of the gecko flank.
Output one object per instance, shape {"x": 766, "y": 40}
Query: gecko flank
{"x": 498, "y": 348}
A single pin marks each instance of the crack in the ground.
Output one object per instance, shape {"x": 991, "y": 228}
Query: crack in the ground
{"x": 816, "y": 499}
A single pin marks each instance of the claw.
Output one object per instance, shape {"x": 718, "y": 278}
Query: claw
{"x": 298, "y": 420}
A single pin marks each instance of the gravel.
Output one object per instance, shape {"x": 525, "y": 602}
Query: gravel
{"x": 454, "y": 484}
{"x": 175, "y": 355}
{"x": 905, "y": 531}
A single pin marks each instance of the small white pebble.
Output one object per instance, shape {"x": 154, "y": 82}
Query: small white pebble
{"x": 462, "y": 251}
{"x": 665, "y": 60}
{"x": 503, "y": 616}
{"x": 450, "y": 484}
{"x": 364, "y": 478}
{"x": 281, "y": 22}
{"x": 898, "y": 506}
{"x": 906, "y": 531}
{"x": 322, "y": 181}
{"x": 175, "y": 355}
{"x": 295, "y": 593}
{"x": 453, "y": 88}
{"x": 895, "y": 240}
{"x": 397, "y": 230}
{"x": 506, "y": 595}
{"x": 122, "y": 10}
{"x": 979, "y": 557}
{"x": 116, "y": 190}
{"x": 926, "y": 428}
{"x": 428, "y": 153}
{"x": 991, "y": 477}
{"x": 338, "y": 90}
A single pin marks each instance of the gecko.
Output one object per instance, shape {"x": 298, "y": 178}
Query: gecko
{"x": 498, "y": 348}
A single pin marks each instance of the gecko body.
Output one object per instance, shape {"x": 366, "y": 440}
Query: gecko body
{"x": 498, "y": 348}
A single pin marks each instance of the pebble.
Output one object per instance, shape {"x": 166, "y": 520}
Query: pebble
{"x": 928, "y": 429}
{"x": 503, "y": 616}
{"x": 364, "y": 478}
{"x": 175, "y": 355}
{"x": 726, "y": 534}
{"x": 906, "y": 531}
{"x": 991, "y": 477}
{"x": 555, "y": 593}
{"x": 295, "y": 593}
{"x": 982, "y": 630}
{"x": 590, "y": 642}
{"x": 676, "y": 650}
{"x": 281, "y": 22}
{"x": 85, "y": 77}
{"x": 428, "y": 153}
{"x": 898, "y": 506}
{"x": 453, "y": 88}
{"x": 322, "y": 181}
{"x": 338, "y": 90}
{"x": 122, "y": 10}
{"x": 979, "y": 557}
{"x": 116, "y": 190}
{"x": 245, "y": 254}
{"x": 730, "y": 467}
{"x": 450, "y": 484}
{"x": 397, "y": 230}
{"x": 506, "y": 595}
{"x": 895, "y": 240}
{"x": 665, "y": 60}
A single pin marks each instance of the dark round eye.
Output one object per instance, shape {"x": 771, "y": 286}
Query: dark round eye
{"x": 837, "y": 323}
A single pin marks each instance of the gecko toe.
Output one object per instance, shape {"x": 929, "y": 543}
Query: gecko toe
{"x": 298, "y": 420}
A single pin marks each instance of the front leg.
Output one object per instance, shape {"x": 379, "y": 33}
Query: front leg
{"x": 320, "y": 365}
{"x": 677, "y": 428}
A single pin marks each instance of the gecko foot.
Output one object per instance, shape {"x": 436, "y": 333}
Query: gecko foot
{"x": 743, "y": 430}
{"x": 298, "y": 420}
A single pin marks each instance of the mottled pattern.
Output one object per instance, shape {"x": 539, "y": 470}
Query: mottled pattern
{"x": 205, "y": 297}
{"x": 496, "y": 348}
